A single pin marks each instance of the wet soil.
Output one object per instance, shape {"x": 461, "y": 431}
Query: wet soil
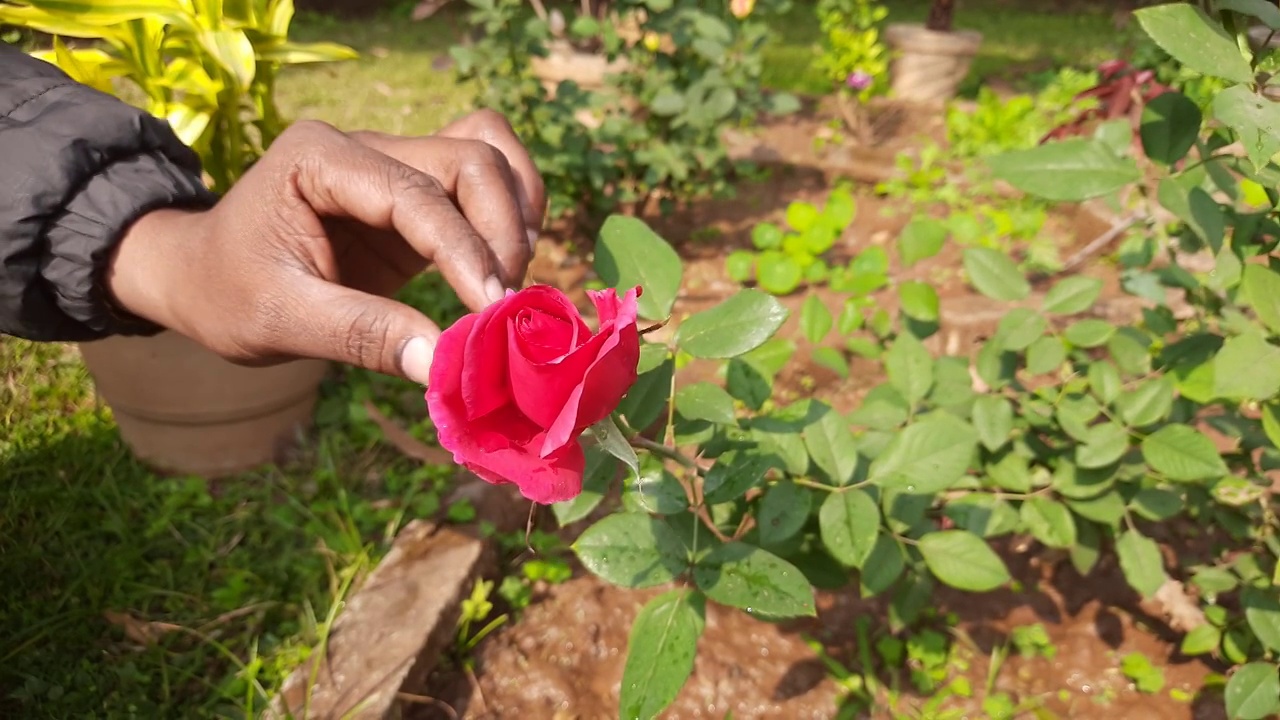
{"x": 564, "y": 657}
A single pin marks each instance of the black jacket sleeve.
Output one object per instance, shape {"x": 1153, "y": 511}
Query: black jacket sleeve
{"x": 77, "y": 167}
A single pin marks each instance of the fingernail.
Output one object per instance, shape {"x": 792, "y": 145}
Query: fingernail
{"x": 533, "y": 239}
{"x": 415, "y": 359}
{"x": 493, "y": 289}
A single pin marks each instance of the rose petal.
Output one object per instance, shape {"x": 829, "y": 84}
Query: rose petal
{"x": 484, "y": 384}
{"x": 612, "y": 370}
{"x": 498, "y": 458}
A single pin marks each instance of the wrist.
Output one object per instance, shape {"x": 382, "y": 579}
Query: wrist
{"x": 149, "y": 266}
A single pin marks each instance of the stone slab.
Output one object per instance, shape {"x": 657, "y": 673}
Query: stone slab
{"x": 393, "y": 630}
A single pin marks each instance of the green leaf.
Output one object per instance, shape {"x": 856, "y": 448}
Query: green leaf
{"x": 1045, "y": 355}
{"x": 601, "y": 468}
{"x": 993, "y": 419}
{"x": 1067, "y": 171}
{"x": 1261, "y": 9}
{"x": 746, "y": 382}
{"x": 783, "y": 511}
{"x": 963, "y": 561}
{"x": 1180, "y": 452}
{"x": 1089, "y": 333}
{"x": 802, "y": 215}
{"x": 654, "y": 490}
{"x": 1170, "y": 127}
{"x": 1254, "y": 119}
{"x": 1049, "y": 521}
{"x": 1141, "y": 562}
{"x": 1105, "y": 381}
{"x": 850, "y": 317}
{"x": 660, "y": 653}
{"x": 831, "y": 359}
{"x": 752, "y": 579}
{"x": 1262, "y": 610}
{"x": 882, "y": 567}
{"x": 815, "y": 319}
{"x": 777, "y": 273}
{"x": 1146, "y": 404}
{"x": 919, "y": 300}
{"x": 740, "y": 265}
{"x": 766, "y": 236}
{"x": 646, "y": 399}
{"x": 832, "y": 446}
{"x": 628, "y": 254}
{"x": 1195, "y": 41}
{"x": 612, "y": 441}
{"x": 652, "y": 355}
{"x": 1130, "y": 349}
{"x": 995, "y": 275}
{"x": 910, "y": 367}
{"x": 1106, "y": 509}
{"x": 1201, "y": 640}
{"x": 1156, "y": 503}
{"x": 734, "y": 473}
{"x": 983, "y": 514}
{"x": 1193, "y": 206}
{"x": 1019, "y": 328}
{"x": 706, "y": 401}
{"x": 1087, "y": 550}
{"x": 736, "y": 326}
{"x": 1253, "y": 692}
{"x": 1261, "y": 286}
{"x": 632, "y": 550}
{"x": 927, "y": 457}
{"x": 1106, "y": 443}
{"x": 667, "y": 102}
{"x": 1072, "y": 295}
{"x": 922, "y": 238}
{"x": 849, "y": 522}
{"x": 1247, "y": 368}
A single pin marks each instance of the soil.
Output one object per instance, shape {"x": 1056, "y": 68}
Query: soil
{"x": 563, "y": 659}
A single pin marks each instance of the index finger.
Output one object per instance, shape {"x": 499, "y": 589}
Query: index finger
{"x": 492, "y": 128}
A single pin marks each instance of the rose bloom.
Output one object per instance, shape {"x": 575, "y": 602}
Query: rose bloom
{"x": 741, "y": 8}
{"x": 513, "y": 387}
{"x": 859, "y": 80}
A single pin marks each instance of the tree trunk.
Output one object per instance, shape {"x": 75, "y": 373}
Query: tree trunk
{"x": 941, "y": 15}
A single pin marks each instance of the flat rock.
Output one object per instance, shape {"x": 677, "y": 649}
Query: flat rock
{"x": 392, "y": 632}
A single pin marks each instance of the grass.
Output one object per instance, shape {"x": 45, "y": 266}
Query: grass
{"x": 130, "y": 595}
{"x": 233, "y": 582}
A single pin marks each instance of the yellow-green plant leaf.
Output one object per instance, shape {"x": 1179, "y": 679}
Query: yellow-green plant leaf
{"x": 103, "y": 13}
{"x": 291, "y": 53}
{"x": 188, "y": 122}
{"x": 41, "y": 21}
{"x": 233, "y": 51}
{"x": 278, "y": 17}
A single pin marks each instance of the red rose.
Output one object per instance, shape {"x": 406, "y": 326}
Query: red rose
{"x": 513, "y": 387}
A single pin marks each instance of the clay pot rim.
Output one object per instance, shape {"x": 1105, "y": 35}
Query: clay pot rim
{"x": 916, "y": 38}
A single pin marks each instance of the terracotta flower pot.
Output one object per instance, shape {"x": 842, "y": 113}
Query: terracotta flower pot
{"x": 182, "y": 409}
{"x": 928, "y": 66}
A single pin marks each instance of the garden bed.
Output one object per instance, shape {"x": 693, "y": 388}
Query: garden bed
{"x": 564, "y": 656}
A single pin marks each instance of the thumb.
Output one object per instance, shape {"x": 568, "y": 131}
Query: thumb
{"x": 368, "y": 331}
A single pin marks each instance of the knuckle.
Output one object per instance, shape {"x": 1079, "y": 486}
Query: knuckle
{"x": 491, "y": 121}
{"x": 364, "y": 335}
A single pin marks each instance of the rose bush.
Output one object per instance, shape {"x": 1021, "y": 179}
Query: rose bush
{"x": 513, "y": 387}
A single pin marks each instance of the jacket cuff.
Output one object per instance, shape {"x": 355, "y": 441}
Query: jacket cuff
{"x": 93, "y": 222}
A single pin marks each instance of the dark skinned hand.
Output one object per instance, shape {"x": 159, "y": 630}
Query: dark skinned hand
{"x": 301, "y": 255}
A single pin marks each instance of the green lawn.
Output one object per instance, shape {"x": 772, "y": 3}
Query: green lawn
{"x": 248, "y": 571}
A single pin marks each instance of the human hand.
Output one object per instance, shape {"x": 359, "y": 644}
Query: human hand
{"x": 300, "y": 256}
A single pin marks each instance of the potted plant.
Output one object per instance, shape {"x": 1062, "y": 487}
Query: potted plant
{"x": 930, "y": 60}
{"x": 181, "y": 408}
{"x": 854, "y": 59}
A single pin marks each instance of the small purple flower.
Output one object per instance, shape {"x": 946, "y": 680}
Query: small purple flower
{"x": 859, "y": 80}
